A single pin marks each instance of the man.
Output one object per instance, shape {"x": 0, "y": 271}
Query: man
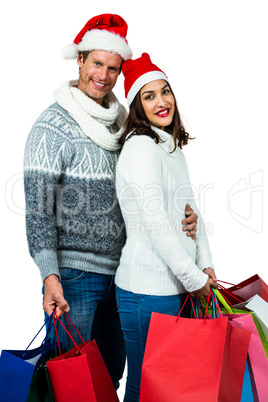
{"x": 74, "y": 225}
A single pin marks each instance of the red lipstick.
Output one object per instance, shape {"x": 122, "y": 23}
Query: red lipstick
{"x": 163, "y": 112}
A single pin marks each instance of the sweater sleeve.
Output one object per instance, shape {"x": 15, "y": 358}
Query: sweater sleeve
{"x": 140, "y": 168}
{"x": 203, "y": 254}
{"x": 43, "y": 162}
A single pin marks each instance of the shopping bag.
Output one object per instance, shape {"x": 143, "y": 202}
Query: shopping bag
{"x": 247, "y": 289}
{"x": 247, "y": 393}
{"x": 193, "y": 360}
{"x": 40, "y": 387}
{"x": 229, "y": 310}
{"x": 80, "y": 374}
{"x": 257, "y": 358}
{"x": 15, "y": 377}
{"x": 260, "y": 308}
{"x": 102, "y": 382}
{"x": 70, "y": 377}
{"x": 17, "y": 369}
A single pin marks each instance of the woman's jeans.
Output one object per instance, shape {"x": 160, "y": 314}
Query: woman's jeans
{"x": 93, "y": 310}
{"x": 135, "y": 313}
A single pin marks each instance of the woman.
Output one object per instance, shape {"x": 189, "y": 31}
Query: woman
{"x": 159, "y": 264}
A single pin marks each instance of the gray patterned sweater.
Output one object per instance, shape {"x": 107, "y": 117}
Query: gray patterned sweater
{"x": 72, "y": 215}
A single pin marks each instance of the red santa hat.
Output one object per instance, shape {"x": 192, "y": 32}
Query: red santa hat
{"x": 103, "y": 32}
{"x": 138, "y": 73}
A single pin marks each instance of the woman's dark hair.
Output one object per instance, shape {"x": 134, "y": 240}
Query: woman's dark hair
{"x": 137, "y": 123}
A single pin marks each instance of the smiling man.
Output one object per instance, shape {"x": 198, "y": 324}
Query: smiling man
{"x": 70, "y": 159}
{"x": 98, "y": 72}
{"x": 75, "y": 229}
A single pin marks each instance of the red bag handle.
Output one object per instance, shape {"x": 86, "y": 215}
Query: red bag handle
{"x": 228, "y": 283}
{"x": 68, "y": 333}
{"x": 228, "y": 302}
{"x": 78, "y": 333}
{"x": 230, "y": 294}
{"x": 184, "y": 305}
{"x": 211, "y": 293}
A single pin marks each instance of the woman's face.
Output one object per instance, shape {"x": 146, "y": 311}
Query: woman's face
{"x": 158, "y": 103}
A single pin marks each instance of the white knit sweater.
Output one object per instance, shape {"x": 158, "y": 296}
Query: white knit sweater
{"x": 153, "y": 188}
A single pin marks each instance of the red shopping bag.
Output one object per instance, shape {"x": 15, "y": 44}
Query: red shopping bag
{"x": 102, "y": 382}
{"x": 81, "y": 374}
{"x": 70, "y": 377}
{"x": 190, "y": 360}
{"x": 246, "y": 289}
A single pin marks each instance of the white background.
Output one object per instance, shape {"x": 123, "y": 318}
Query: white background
{"x": 215, "y": 55}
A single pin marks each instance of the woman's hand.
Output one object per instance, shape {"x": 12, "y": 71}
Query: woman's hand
{"x": 211, "y": 283}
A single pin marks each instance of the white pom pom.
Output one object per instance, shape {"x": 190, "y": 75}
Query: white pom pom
{"x": 70, "y": 51}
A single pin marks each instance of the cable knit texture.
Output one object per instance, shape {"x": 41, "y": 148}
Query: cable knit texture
{"x": 72, "y": 215}
{"x": 153, "y": 188}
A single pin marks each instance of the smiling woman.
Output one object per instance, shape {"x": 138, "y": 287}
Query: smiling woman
{"x": 157, "y": 267}
{"x": 152, "y": 103}
{"x": 98, "y": 72}
{"x": 158, "y": 103}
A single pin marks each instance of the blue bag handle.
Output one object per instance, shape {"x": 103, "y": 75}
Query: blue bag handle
{"x": 50, "y": 321}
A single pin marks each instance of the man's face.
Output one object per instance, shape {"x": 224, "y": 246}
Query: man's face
{"x": 98, "y": 74}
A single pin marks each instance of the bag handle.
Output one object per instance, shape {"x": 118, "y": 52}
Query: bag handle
{"x": 69, "y": 320}
{"x": 227, "y": 305}
{"x": 50, "y": 327}
{"x": 230, "y": 294}
{"x": 215, "y": 304}
{"x": 216, "y": 312}
{"x": 228, "y": 283}
{"x": 49, "y": 319}
{"x": 188, "y": 296}
{"x": 69, "y": 333}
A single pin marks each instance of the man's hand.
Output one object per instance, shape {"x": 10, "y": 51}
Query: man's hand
{"x": 190, "y": 222}
{"x": 54, "y": 296}
{"x": 210, "y": 272}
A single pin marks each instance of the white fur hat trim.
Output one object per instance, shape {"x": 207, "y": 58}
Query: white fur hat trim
{"x": 143, "y": 80}
{"x": 97, "y": 39}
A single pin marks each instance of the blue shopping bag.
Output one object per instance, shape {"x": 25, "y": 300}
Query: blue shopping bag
{"x": 247, "y": 394}
{"x": 15, "y": 377}
{"x": 17, "y": 368}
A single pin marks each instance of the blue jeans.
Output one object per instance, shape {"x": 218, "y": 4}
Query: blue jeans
{"x": 93, "y": 310}
{"x": 135, "y": 313}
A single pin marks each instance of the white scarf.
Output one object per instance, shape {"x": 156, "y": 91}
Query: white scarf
{"x": 92, "y": 118}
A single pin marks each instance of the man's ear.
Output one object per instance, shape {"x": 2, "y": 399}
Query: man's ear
{"x": 80, "y": 59}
